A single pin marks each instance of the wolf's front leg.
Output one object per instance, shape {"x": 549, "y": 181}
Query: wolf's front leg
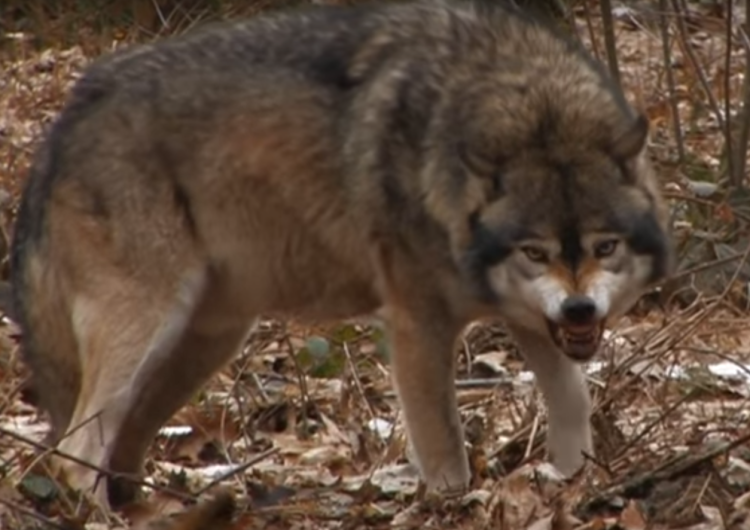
{"x": 566, "y": 395}
{"x": 423, "y": 374}
{"x": 422, "y": 331}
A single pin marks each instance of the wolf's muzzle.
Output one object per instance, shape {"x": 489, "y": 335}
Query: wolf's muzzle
{"x": 579, "y": 331}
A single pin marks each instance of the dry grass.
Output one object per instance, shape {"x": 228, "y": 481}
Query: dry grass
{"x": 304, "y": 426}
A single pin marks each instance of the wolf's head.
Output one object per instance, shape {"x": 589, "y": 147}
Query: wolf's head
{"x": 569, "y": 236}
{"x": 562, "y": 226}
{"x": 572, "y": 238}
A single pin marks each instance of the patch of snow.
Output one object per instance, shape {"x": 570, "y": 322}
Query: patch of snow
{"x": 383, "y": 428}
{"x": 175, "y": 430}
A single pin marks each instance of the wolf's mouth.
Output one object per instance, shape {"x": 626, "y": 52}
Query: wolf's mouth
{"x": 580, "y": 342}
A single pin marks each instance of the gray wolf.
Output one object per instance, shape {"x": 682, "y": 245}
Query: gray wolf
{"x": 436, "y": 163}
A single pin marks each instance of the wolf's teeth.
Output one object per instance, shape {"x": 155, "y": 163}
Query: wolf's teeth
{"x": 583, "y": 337}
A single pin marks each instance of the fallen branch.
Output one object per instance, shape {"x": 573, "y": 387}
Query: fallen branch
{"x": 33, "y": 514}
{"x": 106, "y": 472}
{"x": 238, "y": 469}
{"x": 673, "y": 468}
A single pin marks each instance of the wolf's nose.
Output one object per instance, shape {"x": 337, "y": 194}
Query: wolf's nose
{"x": 578, "y": 309}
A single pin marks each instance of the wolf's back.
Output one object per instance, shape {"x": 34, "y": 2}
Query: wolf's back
{"x": 125, "y": 98}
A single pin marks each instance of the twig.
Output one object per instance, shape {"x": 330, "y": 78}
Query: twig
{"x": 466, "y": 384}
{"x": 532, "y": 435}
{"x": 705, "y": 266}
{"x": 357, "y": 381}
{"x": 518, "y": 434}
{"x": 730, "y": 357}
{"x": 106, "y": 472}
{"x": 610, "y": 42}
{"x": 570, "y": 20}
{"x": 8, "y": 397}
{"x": 469, "y": 356}
{"x": 637, "y": 375}
{"x": 706, "y": 202}
{"x": 72, "y": 431}
{"x": 671, "y": 90}
{"x": 259, "y": 386}
{"x": 648, "y": 428}
{"x": 702, "y": 493}
{"x": 33, "y": 514}
{"x": 700, "y": 74}
{"x": 592, "y": 33}
{"x": 744, "y": 135}
{"x": 238, "y": 469}
{"x": 302, "y": 379}
{"x": 669, "y": 470}
{"x": 604, "y": 466}
{"x": 734, "y": 178}
{"x": 240, "y": 403}
{"x": 488, "y": 382}
{"x": 675, "y": 338}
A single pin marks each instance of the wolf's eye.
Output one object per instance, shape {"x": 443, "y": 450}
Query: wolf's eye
{"x": 535, "y": 254}
{"x": 605, "y": 248}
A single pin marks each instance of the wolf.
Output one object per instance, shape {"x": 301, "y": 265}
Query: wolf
{"x": 433, "y": 163}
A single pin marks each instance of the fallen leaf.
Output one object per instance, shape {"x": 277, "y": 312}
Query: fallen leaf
{"x": 631, "y": 518}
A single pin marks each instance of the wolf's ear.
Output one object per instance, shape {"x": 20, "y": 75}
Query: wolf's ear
{"x": 472, "y": 159}
{"x": 481, "y": 166}
{"x": 632, "y": 141}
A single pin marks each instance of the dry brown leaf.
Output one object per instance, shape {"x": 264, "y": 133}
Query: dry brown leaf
{"x": 631, "y": 517}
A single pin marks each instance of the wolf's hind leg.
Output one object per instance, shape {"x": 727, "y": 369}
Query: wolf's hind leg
{"x": 566, "y": 395}
{"x": 56, "y": 372}
{"x": 134, "y": 374}
{"x": 161, "y": 386}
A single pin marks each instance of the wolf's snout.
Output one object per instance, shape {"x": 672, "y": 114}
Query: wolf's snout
{"x": 578, "y": 309}
{"x": 579, "y": 330}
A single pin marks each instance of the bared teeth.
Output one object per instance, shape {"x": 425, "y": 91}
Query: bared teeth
{"x": 578, "y": 341}
{"x": 576, "y": 336}
{"x": 579, "y": 334}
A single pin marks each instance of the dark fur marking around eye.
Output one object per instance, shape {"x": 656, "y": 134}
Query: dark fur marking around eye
{"x": 487, "y": 248}
{"x": 645, "y": 236}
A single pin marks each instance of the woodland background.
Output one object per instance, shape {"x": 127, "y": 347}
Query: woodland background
{"x": 304, "y": 426}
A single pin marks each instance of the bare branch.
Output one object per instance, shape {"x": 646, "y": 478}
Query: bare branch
{"x": 734, "y": 178}
{"x": 672, "y": 92}
{"x": 697, "y": 68}
{"x": 610, "y": 42}
{"x": 740, "y": 151}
